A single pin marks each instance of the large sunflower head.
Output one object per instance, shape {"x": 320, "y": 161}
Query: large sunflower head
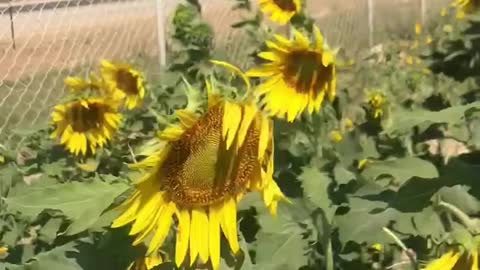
{"x": 85, "y": 124}
{"x": 280, "y": 11}
{"x": 127, "y": 83}
{"x": 204, "y": 166}
{"x": 299, "y": 74}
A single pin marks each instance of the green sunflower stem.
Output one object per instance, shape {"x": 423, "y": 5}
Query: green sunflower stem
{"x": 329, "y": 255}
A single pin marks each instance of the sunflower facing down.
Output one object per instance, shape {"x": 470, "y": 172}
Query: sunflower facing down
{"x": 453, "y": 260}
{"x": 281, "y": 11}
{"x": 85, "y": 124}
{"x": 196, "y": 179}
{"x": 299, "y": 75}
{"x": 125, "y": 82}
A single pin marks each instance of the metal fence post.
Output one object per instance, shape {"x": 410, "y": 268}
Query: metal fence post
{"x": 12, "y": 26}
{"x": 162, "y": 54}
{"x": 371, "y": 29}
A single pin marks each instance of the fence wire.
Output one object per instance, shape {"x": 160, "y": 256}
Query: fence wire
{"x": 42, "y": 41}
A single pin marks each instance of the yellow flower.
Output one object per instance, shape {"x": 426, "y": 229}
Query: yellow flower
{"x": 362, "y": 163}
{"x": 281, "y": 11}
{"x": 299, "y": 75}
{"x": 418, "y": 28}
{"x": 85, "y": 124}
{"x": 377, "y": 247}
{"x": 3, "y": 252}
{"x": 428, "y": 39}
{"x": 465, "y": 7}
{"x": 146, "y": 263}
{"x": 77, "y": 84}
{"x": 200, "y": 171}
{"x": 126, "y": 83}
{"x": 455, "y": 260}
{"x": 336, "y": 136}
{"x": 443, "y": 12}
{"x": 377, "y": 101}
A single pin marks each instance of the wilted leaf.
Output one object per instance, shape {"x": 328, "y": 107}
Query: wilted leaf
{"x": 81, "y": 203}
{"x": 401, "y": 169}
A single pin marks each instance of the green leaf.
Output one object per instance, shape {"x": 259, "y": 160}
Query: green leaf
{"x": 342, "y": 175}
{"x": 364, "y": 222}
{"x": 401, "y": 169}
{"x": 458, "y": 195}
{"x": 315, "y": 187}
{"x": 53, "y": 259}
{"x": 402, "y": 121}
{"x": 81, "y": 203}
{"x": 277, "y": 251}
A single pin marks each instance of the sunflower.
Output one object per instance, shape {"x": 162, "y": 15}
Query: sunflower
{"x": 300, "y": 75}
{"x": 455, "y": 260}
{"x": 281, "y": 11}
{"x": 126, "y": 83}
{"x": 77, "y": 84}
{"x": 204, "y": 166}
{"x": 85, "y": 124}
{"x": 465, "y": 7}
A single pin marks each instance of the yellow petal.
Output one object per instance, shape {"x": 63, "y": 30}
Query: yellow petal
{"x": 183, "y": 235}
{"x": 249, "y": 112}
{"x": 214, "y": 238}
{"x": 264, "y": 137}
{"x": 163, "y": 226}
{"x": 129, "y": 215}
{"x": 228, "y": 222}
{"x": 147, "y": 213}
{"x": 231, "y": 121}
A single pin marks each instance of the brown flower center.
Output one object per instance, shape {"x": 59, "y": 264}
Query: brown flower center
{"x": 127, "y": 82}
{"x": 199, "y": 171}
{"x": 83, "y": 119}
{"x": 287, "y": 5}
{"x": 305, "y": 72}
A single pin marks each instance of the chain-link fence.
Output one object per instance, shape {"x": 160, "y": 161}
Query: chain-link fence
{"x": 42, "y": 41}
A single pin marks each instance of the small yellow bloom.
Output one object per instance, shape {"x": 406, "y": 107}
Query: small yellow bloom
{"x": 125, "y": 82}
{"x": 363, "y": 163}
{"x": 280, "y": 11}
{"x": 336, "y": 136}
{"x": 443, "y": 12}
{"x": 429, "y": 39}
{"x": 3, "y": 252}
{"x": 348, "y": 124}
{"x": 418, "y": 28}
{"x": 2, "y": 159}
{"x": 377, "y": 247}
{"x": 409, "y": 60}
{"x": 377, "y": 101}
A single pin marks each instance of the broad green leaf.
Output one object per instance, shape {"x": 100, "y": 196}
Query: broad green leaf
{"x": 364, "y": 222}
{"x": 53, "y": 259}
{"x": 401, "y": 169}
{"x": 458, "y": 195}
{"x": 277, "y": 251}
{"x": 402, "y": 121}
{"x": 342, "y": 175}
{"x": 49, "y": 231}
{"x": 426, "y": 223}
{"x": 315, "y": 187}
{"x": 81, "y": 203}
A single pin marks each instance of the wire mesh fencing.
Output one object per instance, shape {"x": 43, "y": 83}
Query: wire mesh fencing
{"x": 42, "y": 41}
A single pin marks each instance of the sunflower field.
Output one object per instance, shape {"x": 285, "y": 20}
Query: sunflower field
{"x": 308, "y": 159}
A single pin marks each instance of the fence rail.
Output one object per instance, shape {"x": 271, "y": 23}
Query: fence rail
{"x": 42, "y": 41}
